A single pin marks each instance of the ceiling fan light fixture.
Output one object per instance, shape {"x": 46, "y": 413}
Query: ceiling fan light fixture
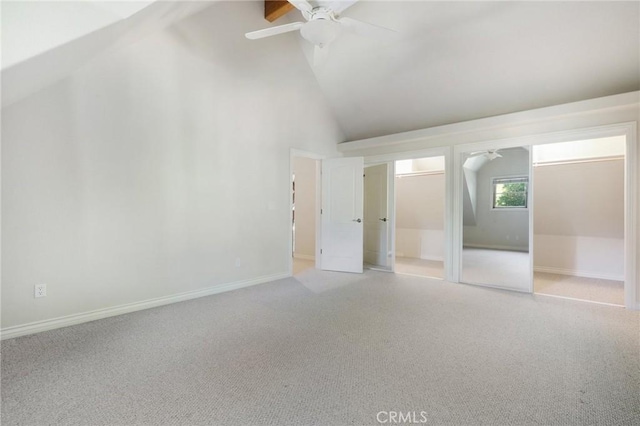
{"x": 320, "y": 32}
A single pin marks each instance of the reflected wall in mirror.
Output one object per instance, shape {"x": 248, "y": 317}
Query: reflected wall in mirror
{"x": 496, "y": 218}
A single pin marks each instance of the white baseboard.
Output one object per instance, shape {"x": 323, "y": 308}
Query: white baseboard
{"x": 51, "y": 324}
{"x": 304, "y": 256}
{"x": 435, "y": 258}
{"x": 577, "y": 273}
{"x": 490, "y": 247}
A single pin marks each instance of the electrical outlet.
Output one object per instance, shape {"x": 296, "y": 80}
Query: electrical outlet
{"x": 238, "y": 262}
{"x": 40, "y": 290}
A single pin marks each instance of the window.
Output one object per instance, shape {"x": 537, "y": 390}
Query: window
{"x": 510, "y": 193}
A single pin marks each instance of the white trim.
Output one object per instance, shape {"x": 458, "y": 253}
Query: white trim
{"x": 293, "y": 153}
{"x": 579, "y": 300}
{"x": 580, "y": 161}
{"x": 304, "y": 256}
{"x": 497, "y": 287}
{"x": 441, "y": 151}
{"x": 631, "y": 188}
{"x": 391, "y": 158}
{"x": 51, "y": 324}
{"x": 531, "y": 207}
{"x": 391, "y": 214}
{"x": 434, "y": 258}
{"x": 578, "y": 273}
{"x": 417, "y": 174}
{"x": 495, "y": 247}
{"x": 534, "y": 116}
{"x": 449, "y": 220}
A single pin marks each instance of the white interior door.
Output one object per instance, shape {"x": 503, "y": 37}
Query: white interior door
{"x": 342, "y": 212}
{"x": 376, "y": 221}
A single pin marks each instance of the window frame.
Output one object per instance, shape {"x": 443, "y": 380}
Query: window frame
{"x": 492, "y": 199}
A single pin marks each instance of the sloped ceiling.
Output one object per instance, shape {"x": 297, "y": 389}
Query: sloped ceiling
{"x": 31, "y": 28}
{"x": 452, "y": 61}
{"x": 457, "y": 61}
{"x": 43, "y": 42}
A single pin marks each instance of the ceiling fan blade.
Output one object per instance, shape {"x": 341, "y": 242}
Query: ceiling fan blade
{"x": 268, "y": 32}
{"x": 320, "y": 55}
{"x": 301, "y": 5}
{"x": 367, "y": 30}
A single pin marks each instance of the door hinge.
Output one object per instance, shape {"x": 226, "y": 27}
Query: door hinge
{"x": 320, "y": 251}
{"x": 320, "y": 211}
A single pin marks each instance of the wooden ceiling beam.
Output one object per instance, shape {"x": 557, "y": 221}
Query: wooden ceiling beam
{"x": 273, "y": 9}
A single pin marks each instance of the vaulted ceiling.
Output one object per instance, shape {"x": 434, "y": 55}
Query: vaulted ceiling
{"x": 452, "y": 61}
{"x": 457, "y": 61}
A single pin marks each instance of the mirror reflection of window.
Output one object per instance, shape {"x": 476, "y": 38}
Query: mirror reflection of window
{"x": 496, "y": 218}
{"x": 510, "y": 192}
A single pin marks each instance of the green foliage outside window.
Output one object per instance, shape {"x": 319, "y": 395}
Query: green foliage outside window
{"x": 510, "y": 194}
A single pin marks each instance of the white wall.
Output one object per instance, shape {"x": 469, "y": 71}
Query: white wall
{"x": 579, "y": 150}
{"x": 148, "y": 172}
{"x": 579, "y": 219}
{"x": 579, "y": 256}
{"x": 420, "y": 216}
{"x": 305, "y": 204}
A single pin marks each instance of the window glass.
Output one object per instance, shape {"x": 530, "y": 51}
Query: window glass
{"x": 510, "y": 192}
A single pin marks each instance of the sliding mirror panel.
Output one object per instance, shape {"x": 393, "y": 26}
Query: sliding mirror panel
{"x": 496, "y": 208}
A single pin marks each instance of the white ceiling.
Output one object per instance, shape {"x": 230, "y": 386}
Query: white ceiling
{"x": 453, "y": 61}
{"x": 57, "y": 23}
{"x": 457, "y": 61}
{"x": 44, "y": 42}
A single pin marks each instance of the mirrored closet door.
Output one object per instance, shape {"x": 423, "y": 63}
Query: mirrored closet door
{"x": 495, "y": 209}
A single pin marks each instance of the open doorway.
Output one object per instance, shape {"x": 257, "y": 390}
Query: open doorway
{"x": 419, "y": 216}
{"x": 579, "y": 219}
{"x": 304, "y": 183}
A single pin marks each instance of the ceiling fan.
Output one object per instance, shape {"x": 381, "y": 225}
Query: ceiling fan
{"x": 323, "y": 25}
{"x": 491, "y": 154}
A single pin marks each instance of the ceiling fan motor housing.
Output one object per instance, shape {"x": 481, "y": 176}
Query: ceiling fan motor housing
{"x": 320, "y": 31}
{"x": 321, "y": 28}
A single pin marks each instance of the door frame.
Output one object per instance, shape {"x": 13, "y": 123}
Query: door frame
{"x": 458, "y": 179}
{"x": 391, "y": 158}
{"x": 631, "y": 188}
{"x": 298, "y": 153}
{"x": 391, "y": 216}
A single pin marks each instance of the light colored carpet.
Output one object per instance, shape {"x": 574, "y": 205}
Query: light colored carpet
{"x": 592, "y": 289}
{"x": 495, "y": 267}
{"x": 283, "y": 354}
{"x": 421, "y": 267}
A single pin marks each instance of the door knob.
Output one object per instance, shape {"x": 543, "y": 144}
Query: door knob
{"x": 384, "y": 219}
{"x": 357, "y": 220}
